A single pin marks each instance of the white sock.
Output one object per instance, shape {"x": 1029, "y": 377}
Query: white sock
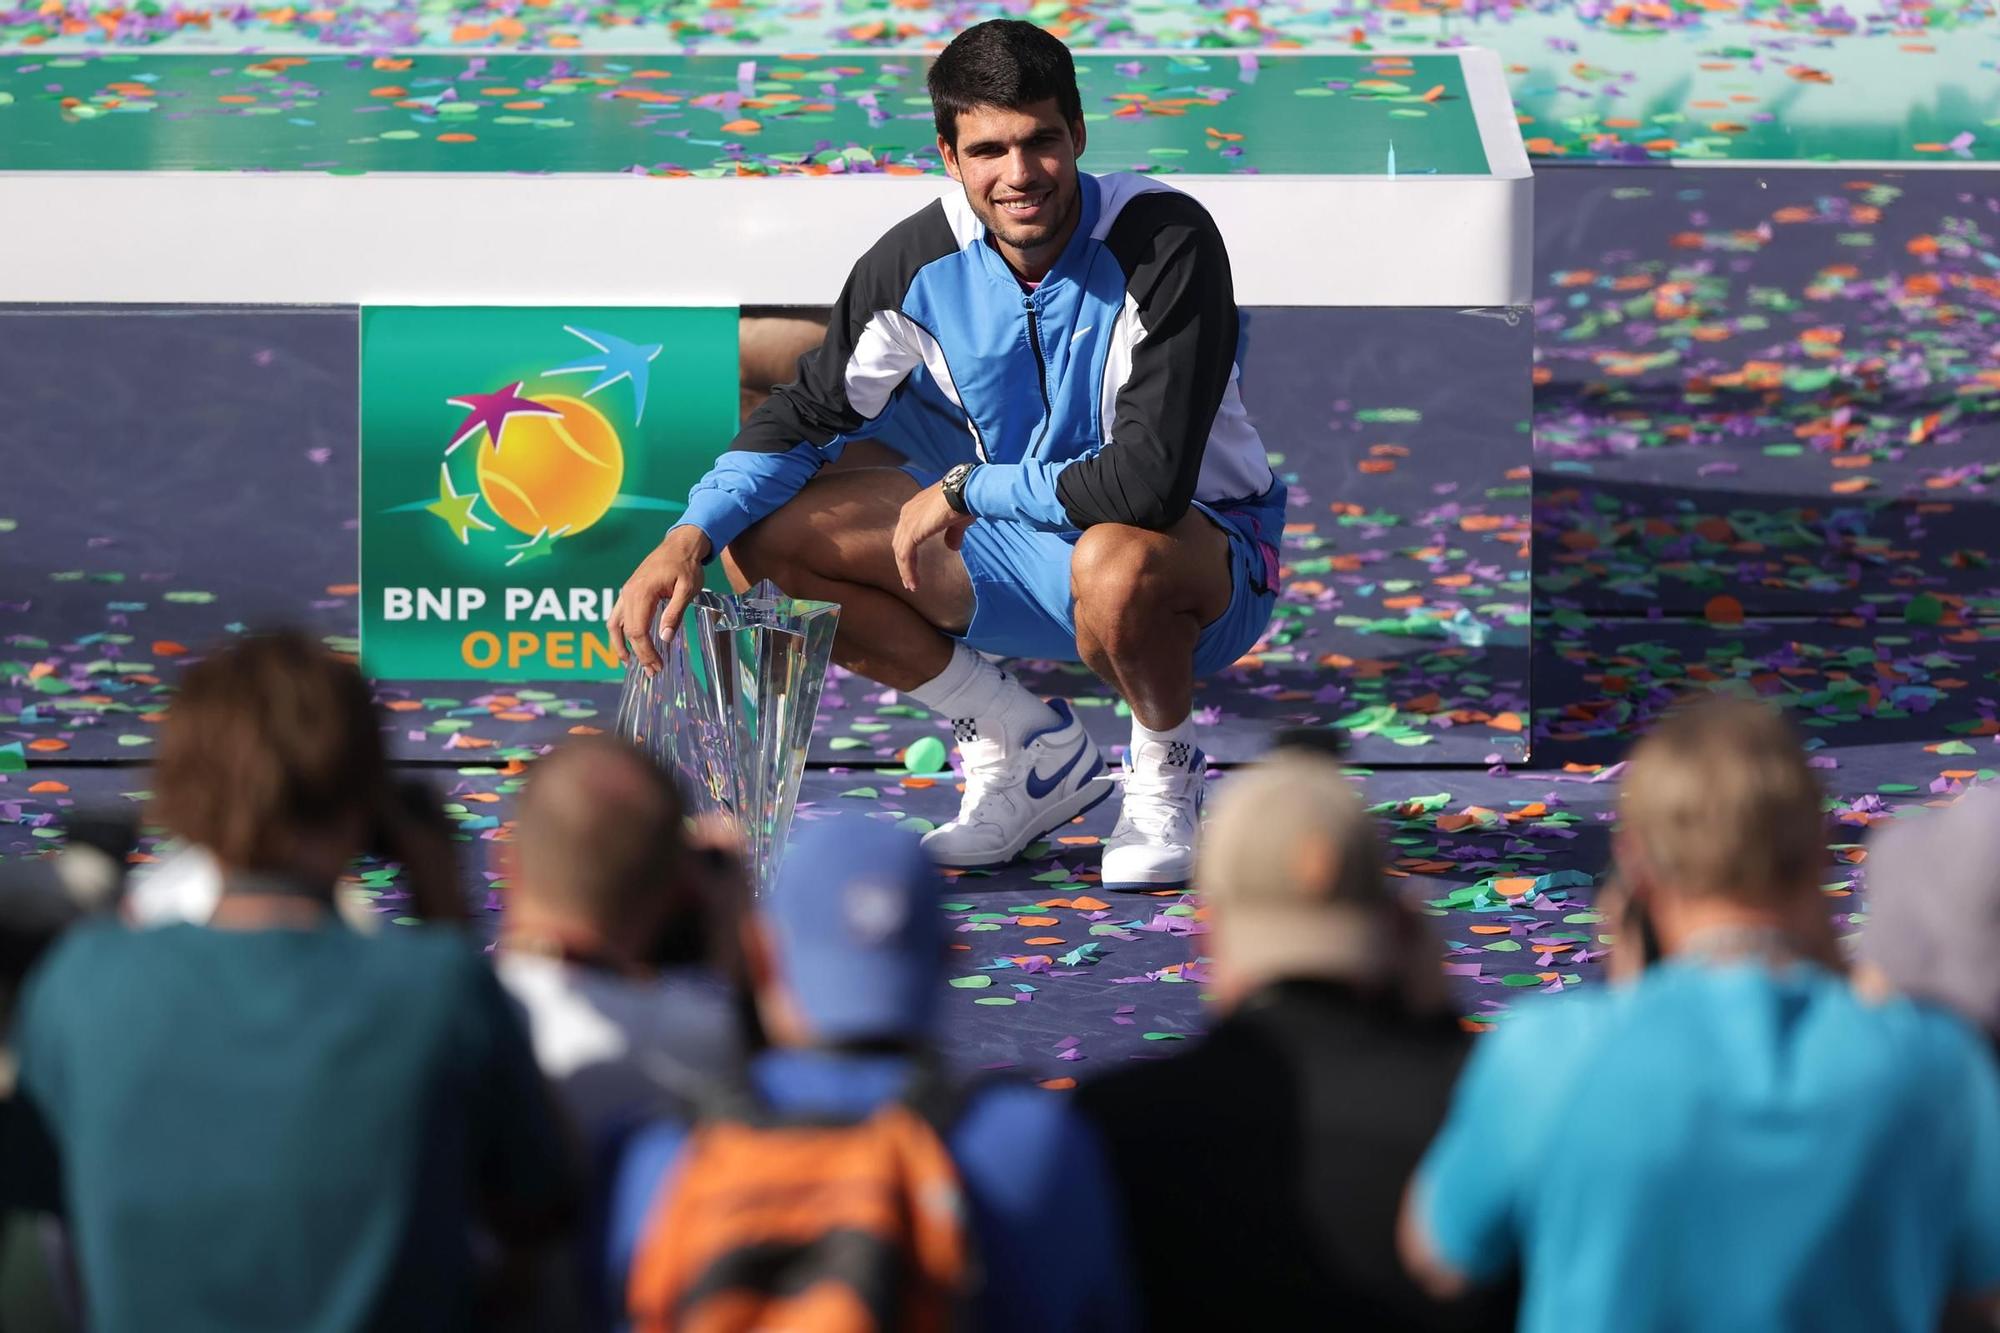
{"x": 1175, "y": 746}
{"x": 983, "y": 701}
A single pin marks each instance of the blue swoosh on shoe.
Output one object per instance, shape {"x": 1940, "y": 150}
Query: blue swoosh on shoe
{"x": 1039, "y": 786}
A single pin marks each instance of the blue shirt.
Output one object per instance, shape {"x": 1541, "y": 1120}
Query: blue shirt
{"x": 1724, "y": 1146}
{"x": 1047, "y": 1231}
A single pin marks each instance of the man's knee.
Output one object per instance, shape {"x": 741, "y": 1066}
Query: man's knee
{"x": 1115, "y": 566}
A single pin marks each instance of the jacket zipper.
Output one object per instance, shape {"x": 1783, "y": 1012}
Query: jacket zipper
{"x": 1041, "y": 371}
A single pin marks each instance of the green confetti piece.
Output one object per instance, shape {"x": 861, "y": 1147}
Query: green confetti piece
{"x": 1504, "y": 946}
{"x": 190, "y": 598}
{"x": 130, "y": 741}
{"x": 13, "y": 759}
{"x": 846, "y": 743}
{"x": 977, "y": 981}
{"x": 994, "y": 999}
{"x": 1924, "y": 609}
{"x": 1955, "y": 748}
{"x": 956, "y": 907}
{"x": 1521, "y": 979}
{"x": 925, "y": 756}
{"x": 1166, "y": 1036}
{"x": 868, "y": 793}
{"x": 1896, "y": 788}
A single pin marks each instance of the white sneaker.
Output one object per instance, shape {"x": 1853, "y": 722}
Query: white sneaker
{"x": 1153, "y": 846}
{"x": 1014, "y": 797}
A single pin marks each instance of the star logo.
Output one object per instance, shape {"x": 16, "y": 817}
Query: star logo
{"x": 621, "y": 360}
{"x": 541, "y": 544}
{"x": 456, "y": 509}
{"x": 490, "y": 412}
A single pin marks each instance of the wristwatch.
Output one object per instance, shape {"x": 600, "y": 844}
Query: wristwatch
{"x": 953, "y": 486}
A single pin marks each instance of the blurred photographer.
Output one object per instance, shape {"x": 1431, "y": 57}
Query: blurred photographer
{"x": 614, "y": 918}
{"x": 268, "y": 1120}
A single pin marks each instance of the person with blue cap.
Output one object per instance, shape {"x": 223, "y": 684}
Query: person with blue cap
{"x": 845, "y": 958}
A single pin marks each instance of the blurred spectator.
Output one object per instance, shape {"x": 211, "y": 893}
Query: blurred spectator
{"x": 270, "y": 1121}
{"x": 847, "y": 962}
{"x": 40, "y": 898}
{"x": 1264, "y": 1165}
{"x": 605, "y": 942}
{"x": 1934, "y": 932}
{"x": 1736, "y": 1140}
{"x": 1934, "y": 908}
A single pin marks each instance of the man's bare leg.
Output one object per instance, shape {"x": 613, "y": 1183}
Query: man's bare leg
{"x": 832, "y": 543}
{"x": 1029, "y": 767}
{"x": 1142, "y": 598}
{"x": 858, "y": 455}
{"x": 769, "y": 341}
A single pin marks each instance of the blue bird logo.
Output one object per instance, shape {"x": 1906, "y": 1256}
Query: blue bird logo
{"x": 617, "y": 360}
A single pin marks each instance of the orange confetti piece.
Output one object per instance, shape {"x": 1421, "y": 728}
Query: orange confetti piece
{"x": 44, "y": 788}
{"x": 1723, "y": 610}
{"x": 1088, "y": 904}
{"x": 48, "y": 745}
{"x": 1035, "y": 921}
{"x": 742, "y": 127}
{"x": 1047, "y": 939}
{"x": 457, "y": 136}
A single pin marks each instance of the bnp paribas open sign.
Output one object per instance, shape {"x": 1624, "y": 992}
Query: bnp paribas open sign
{"x": 516, "y": 464}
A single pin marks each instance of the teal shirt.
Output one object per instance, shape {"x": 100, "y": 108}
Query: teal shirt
{"x": 1720, "y": 1147}
{"x": 282, "y": 1129}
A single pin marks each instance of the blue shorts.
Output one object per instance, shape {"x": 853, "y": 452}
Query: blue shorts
{"x": 1020, "y": 586}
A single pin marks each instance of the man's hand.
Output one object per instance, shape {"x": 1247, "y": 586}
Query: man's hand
{"x": 925, "y": 515}
{"x": 671, "y": 573}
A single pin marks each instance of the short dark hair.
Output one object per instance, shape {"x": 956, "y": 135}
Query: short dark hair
{"x": 268, "y": 736}
{"x": 1002, "y": 62}
{"x": 599, "y": 826}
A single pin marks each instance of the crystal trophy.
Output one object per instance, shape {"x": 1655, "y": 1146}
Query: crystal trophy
{"x": 730, "y": 712}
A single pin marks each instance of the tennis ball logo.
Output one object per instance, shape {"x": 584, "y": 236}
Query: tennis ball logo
{"x": 553, "y": 473}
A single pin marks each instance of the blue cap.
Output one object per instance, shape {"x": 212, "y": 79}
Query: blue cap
{"x": 855, "y": 923}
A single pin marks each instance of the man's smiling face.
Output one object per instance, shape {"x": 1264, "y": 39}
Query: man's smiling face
{"x": 1018, "y": 168}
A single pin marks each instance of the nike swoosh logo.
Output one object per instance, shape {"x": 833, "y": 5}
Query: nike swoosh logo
{"x": 1039, "y": 786}
{"x": 1080, "y": 332}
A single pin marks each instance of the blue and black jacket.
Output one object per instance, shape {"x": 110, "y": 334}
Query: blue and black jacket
{"x": 1107, "y": 394}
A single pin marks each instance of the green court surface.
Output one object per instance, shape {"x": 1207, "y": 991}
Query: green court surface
{"x": 1372, "y": 114}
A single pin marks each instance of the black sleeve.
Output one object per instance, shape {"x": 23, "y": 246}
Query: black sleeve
{"x": 814, "y": 408}
{"x": 1177, "y": 273}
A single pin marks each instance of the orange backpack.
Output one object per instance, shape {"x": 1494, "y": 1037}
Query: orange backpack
{"x": 810, "y": 1225}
